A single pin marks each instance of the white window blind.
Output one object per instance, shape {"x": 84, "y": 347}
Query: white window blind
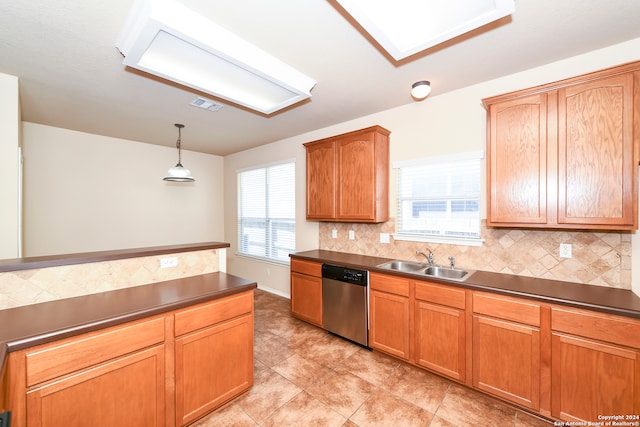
{"x": 266, "y": 212}
{"x": 439, "y": 197}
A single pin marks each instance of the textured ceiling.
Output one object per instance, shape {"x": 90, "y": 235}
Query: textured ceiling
{"x": 71, "y": 75}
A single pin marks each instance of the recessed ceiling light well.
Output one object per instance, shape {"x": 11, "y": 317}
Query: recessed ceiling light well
{"x": 406, "y": 27}
{"x": 166, "y": 39}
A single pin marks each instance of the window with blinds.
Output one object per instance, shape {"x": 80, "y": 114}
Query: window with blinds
{"x": 438, "y": 199}
{"x": 266, "y": 212}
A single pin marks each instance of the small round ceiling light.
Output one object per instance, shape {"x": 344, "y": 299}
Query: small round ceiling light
{"x": 420, "y": 90}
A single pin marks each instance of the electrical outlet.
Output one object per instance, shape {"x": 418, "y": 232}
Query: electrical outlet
{"x": 384, "y": 238}
{"x": 565, "y": 250}
{"x": 352, "y": 235}
{"x": 334, "y": 234}
{"x": 168, "y": 262}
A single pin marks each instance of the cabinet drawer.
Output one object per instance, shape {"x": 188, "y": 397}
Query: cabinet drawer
{"x": 53, "y": 360}
{"x": 507, "y": 308}
{"x": 439, "y": 294}
{"x": 207, "y": 314}
{"x": 599, "y": 326}
{"x": 391, "y": 284}
{"x": 306, "y": 267}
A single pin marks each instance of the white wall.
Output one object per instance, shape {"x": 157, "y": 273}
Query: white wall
{"x": 9, "y": 167}
{"x": 85, "y": 192}
{"x": 448, "y": 123}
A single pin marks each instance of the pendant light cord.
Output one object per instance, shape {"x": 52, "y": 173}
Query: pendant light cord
{"x": 179, "y": 126}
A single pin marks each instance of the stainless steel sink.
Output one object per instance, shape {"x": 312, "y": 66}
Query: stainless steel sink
{"x": 446, "y": 272}
{"x": 438, "y": 271}
{"x": 406, "y": 266}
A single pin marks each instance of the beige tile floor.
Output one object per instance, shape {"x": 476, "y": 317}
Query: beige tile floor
{"x": 306, "y": 377}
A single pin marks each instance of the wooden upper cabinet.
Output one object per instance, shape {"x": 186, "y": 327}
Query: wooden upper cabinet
{"x": 596, "y": 153}
{"x": 348, "y": 177}
{"x": 321, "y": 180}
{"x": 518, "y": 161}
{"x": 565, "y": 154}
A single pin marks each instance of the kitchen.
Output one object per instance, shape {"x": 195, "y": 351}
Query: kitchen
{"x": 413, "y": 128}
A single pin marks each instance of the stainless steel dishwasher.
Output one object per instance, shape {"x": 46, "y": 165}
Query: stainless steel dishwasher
{"x": 345, "y": 298}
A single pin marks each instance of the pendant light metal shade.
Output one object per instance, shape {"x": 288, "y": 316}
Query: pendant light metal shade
{"x": 179, "y": 173}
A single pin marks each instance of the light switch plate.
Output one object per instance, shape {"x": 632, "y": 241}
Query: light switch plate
{"x": 334, "y": 234}
{"x": 352, "y": 235}
{"x": 384, "y": 238}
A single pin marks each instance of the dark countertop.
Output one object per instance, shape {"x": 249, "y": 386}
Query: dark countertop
{"x": 35, "y": 324}
{"x": 83, "y": 258}
{"x": 621, "y": 302}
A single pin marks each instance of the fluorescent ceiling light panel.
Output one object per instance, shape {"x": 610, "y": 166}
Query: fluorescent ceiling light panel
{"x": 406, "y": 27}
{"x": 166, "y": 39}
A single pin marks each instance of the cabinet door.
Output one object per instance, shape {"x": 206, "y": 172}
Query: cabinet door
{"x": 321, "y": 181}
{"x": 596, "y": 153}
{"x": 517, "y": 159}
{"x": 306, "y": 298}
{"x": 357, "y": 171}
{"x": 506, "y": 360}
{"x": 591, "y": 378}
{"x": 440, "y": 339}
{"x": 213, "y": 365}
{"x": 389, "y": 323}
{"x": 127, "y": 391}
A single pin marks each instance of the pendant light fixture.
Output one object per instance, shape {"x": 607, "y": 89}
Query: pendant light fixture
{"x": 179, "y": 173}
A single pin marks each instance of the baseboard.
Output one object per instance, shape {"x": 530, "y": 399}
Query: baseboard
{"x": 274, "y": 291}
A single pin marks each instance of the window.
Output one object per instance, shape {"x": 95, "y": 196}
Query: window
{"x": 266, "y": 212}
{"x": 439, "y": 199}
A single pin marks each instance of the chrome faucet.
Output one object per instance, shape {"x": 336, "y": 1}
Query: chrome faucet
{"x": 452, "y": 262}
{"x": 428, "y": 257}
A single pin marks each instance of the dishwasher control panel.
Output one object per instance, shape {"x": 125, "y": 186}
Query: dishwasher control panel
{"x": 344, "y": 274}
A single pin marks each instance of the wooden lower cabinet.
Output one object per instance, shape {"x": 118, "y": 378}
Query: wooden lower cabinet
{"x": 440, "y": 329}
{"x": 506, "y": 360}
{"x": 389, "y": 315}
{"x": 306, "y": 291}
{"x": 213, "y": 365}
{"x": 506, "y": 348}
{"x": 592, "y": 378}
{"x": 164, "y": 370}
{"x": 127, "y": 391}
{"x": 213, "y": 355}
{"x": 389, "y": 329}
{"x": 100, "y": 378}
{"x": 306, "y": 298}
{"x": 596, "y": 365}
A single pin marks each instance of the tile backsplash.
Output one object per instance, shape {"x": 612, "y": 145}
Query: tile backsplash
{"x": 23, "y": 287}
{"x": 598, "y": 258}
